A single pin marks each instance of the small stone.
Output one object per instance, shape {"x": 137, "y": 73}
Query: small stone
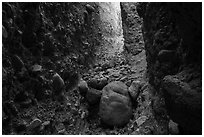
{"x": 102, "y": 83}
{"x": 60, "y": 128}
{"x": 128, "y": 83}
{"x": 58, "y": 84}
{"x": 173, "y": 128}
{"x": 46, "y": 123}
{"x": 4, "y": 116}
{"x": 98, "y": 83}
{"x": 17, "y": 63}
{"x": 166, "y": 55}
{"x": 93, "y": 83}
{"x": 123, "y": 79}
{"x": 141, "y": 120}
{"x": 4, "y": 32}
{"x": 89, "y": 8}
{"x": 93, "y": 96}
{"x": 134, "y": 89}
{"x": 36, "y": 68}
{"x": 83, "y": 87}
{"x": 105, "y": 66}
{"x": 34, "y": 124}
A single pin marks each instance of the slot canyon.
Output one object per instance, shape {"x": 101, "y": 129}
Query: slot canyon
{"x": 101, "y": 68}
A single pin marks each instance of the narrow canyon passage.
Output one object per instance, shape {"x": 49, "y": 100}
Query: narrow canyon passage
{"x": 126, "y": 67}
{"x": 110, "y": 24}
{"x": 101, "y": 68}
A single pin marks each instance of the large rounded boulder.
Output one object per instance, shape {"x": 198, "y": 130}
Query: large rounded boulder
{"x": 115, "y": 105}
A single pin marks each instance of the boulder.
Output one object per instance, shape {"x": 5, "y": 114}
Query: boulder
{"x": 184, "y": 104}
{"x": 83, "y": 87}
{"x": 93, "y": 96}
{"x": 115, "y": 105}
{"x": 134, "y": 89}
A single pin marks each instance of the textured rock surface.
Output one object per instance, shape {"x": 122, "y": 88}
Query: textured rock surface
{"x": 98, "y": 83}
{"x": 93, "y": 96}
{"x": 58, "y": 84}
{"x": 83, "y": 87}
{"x": 173, "y": 128}
{"x": 183, "y": 101}
{"x": 172, "y": 35}
{"x": 132, "y": 23}
{"x": 134, "y": 89}
{"x": 115, "y": 105}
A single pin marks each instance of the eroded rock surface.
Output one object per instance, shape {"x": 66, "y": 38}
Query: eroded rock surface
{"x": 115, "y": 104}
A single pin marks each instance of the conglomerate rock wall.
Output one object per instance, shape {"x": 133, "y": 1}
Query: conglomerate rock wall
{"x": 57, "y": 37}
{"x": 173, "y": 42}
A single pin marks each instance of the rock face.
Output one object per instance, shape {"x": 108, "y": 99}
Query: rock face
{"x": 182, "y": 101}
{"x": 133, "y": 40}
{"x": 172, "y": 35}
{"x": 115, "y": 105}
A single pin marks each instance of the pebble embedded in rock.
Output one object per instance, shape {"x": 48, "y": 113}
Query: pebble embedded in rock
{"x": 36, "y": 68}
{"x": 34, "y": 124}
{"x": 17, "y": 63}
{"x": 102, "y": 83}
{"x": 93, "y": 96}
{"x": 97, "y": 83}
{"x": 166, "y": 55}
{"x": 4, "y": 32}
{"x": 141, "y": 120}
{"x": 93, "y": 83}
{"x": 60, "y": 128}
{"x": 58, "y": 84}
{"x": 173, "y": 128}
{"x": 89, "y": 8}
{"x": 115, "y": 105}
